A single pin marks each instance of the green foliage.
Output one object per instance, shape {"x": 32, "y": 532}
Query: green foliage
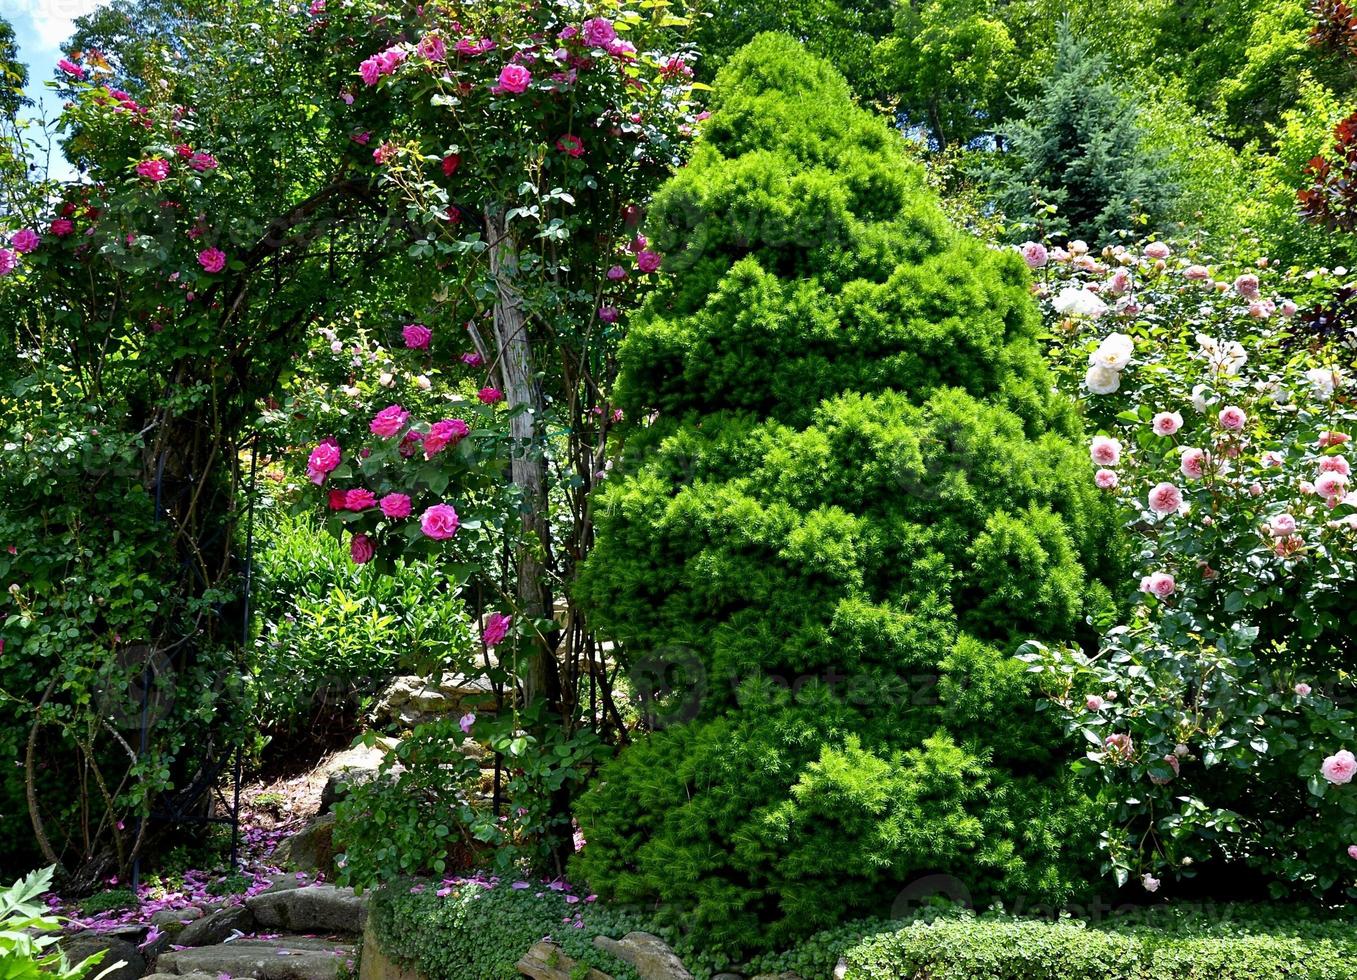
{"x": 479, "y": 929}
{"x": 1081, "y": 150}
{"x": 855, "y": 498}
{"x": 28, "y": 936}
{"x": 112, "y": 900}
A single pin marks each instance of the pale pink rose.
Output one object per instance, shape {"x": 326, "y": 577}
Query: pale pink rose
{"x": 1261, "y": 309}
{"x": 1160, "y": 584}
{"x": 1331, "y": 486}
{"x": 1197, "y": 273}
{"x": 1281, "y": 526}
{"x": 389, "y": 421}
{"x": 1172, "y": 762}
{"x": 1105, "y": 451}
{"x": 1158, "y": 250}
{"x": 1255, "y": 490}
{"x": 1273, "y": 460}
{"x": 1303, "y": 690}
{"x": 1034, "y": 254}
{"x": 465, "y": 722}
{"x": 1288, "y": 308}
{"x": 396, "y": 505}
{"x": 1306, "y": 487}
{"x": 1106, "y": 479}
{"x": 1094, "y": 703}
{"x": 1167, "y": 423}
{"x": 1232, "y": 417}
{"x": 1193, "y": 463}
{"x": 1327, "y": 440}
{"x": 1247, "y": 286}
{"x": 496, "y": 629}
{"x": 1339, "y": 768}
{"x": 416, "y": 335}
{"x": 361, "y": 549}
{"x": 1352, "y": 851}
{"x": 1335, "y": 464}
{"x": 439, "y": 522}
{"x": 1150, "y": 883}
{"x": 1165, "y": 498}
{"x": 1120, "y": 282}
{"x": 1119, "y": 747}
{"x": 324, "y": 460}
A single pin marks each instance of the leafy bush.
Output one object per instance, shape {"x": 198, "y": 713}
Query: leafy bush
{"x": 28, "y": 935}
{"x": 856, "y": 496}
{"x": 476, "y": 929}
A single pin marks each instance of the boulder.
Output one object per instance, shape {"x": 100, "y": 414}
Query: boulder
{"x": 216, "y": 927}
{"x": 317, "y": 908}
{"x": 376, "y": 965}
{"x": 545, "y": 961}
{"x": 170, "y": 918}
{"x": 408, "y": 701}
{"x": 649, "y": 955}
{"x": 353, "y": 767}
{"x": 82, "y": 945}
{"x": 280, "y": 959}
{"x": 311, "y": 848}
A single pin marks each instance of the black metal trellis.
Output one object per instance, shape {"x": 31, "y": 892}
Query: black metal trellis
{"x": 202, "y": 793}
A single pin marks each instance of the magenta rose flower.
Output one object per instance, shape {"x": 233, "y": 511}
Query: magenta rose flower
{"x": 496, "y": 629}
{"x": 213, "y": 260}
{"x": 608, "y": 314}
{"x": 361, "y": 549}
{"x": 203, "y": 162}
{"x": 490, "y": 395}
{"x": 417, "y": 336}
{"x": 25, "y": 240}
{"x": 389, "y": 421}
{"x": 71, "y": 68}
{"x": 8, "y": 261}
{"x": 448, "y": 432}
{"x": 154, "y": 169}
{"x": 514, "y": 79}
{"x": 359, "y": 499}
{"x": 473, "y": 359}
{"x": 648, "y": 261}
{"x": 396, "y": 505}
{"x": 571, "y": 145}
{"x": 431, "y": 47}
{"x": 439, "y": 522}
{"x": 324, "y": 460}
{"x": 63, "y": 227}
{"x": 599, "y": 32}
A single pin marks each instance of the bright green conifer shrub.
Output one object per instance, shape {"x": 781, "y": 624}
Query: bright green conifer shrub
{"x": 855, "y": 495}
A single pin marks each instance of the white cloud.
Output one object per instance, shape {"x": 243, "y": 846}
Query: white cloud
{"x": 53, "y": 20}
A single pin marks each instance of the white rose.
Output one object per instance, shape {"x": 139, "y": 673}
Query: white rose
{"x": 1102, "y": 380}
{"x": 1324, "y": 382}
{"x": 1079, "y": 302}
{"x": 1114, "y": 352}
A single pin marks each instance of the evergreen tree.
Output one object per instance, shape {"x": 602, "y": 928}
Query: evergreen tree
{"x": 854, "y": 496}
{"x": 1080, "y": 147}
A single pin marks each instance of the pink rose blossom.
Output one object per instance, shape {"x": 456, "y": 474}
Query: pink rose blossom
{"x": 395, "y": 505}
{"x": 1232, "y": 417}
{"x": 1093, "y": 703}
{"x": 1247, "y": 286}
{"x": 599, "y": 32}
{"x": 1335, "y": 464}
{"x": 324, "y": 460}
{"x": 8, "y": 261}
{"x": 25, "y": 240}
{"x": 571, "y": 145}
{"x": 617, "y": 273}
{"x": 1303, "y": 690}
{"x": 649, "y": 261}
{"x": 496, "y": 629}
{"x": 1160, "y": 584}
{"x": 370, "y": 71}
{"x": 513, "y": 79}
{"x": 465, "y": 722}
{"x": 1281, "y": 526}
{"x": 1119, "y": 746}
{"x": 1352, "y": 851}
{"x": 1197, "y": 273}
{"x": 1193, "y": 463}
{"x": 361, "y": 549}
{"x": 1273, "y": 460}
{"x": 389, "y": 421}
{"x": 71, "y": 68}
{"x": 62, "y": 227}
{"x": 473, "y": 359}
{"x": 1165, "y": 498}
{"x": 1105, "y": 451}
{"x": 490, "y": 395}
{"x": 213, "y": 260}
{"x": 439, "y": 522}
{"x": 608, "y": 314}
{"x": 417, "y": 336}
{"x": 154, "y": 169}
{"x": 1172, "y": 762}
{"x": 1158, "y": 250}
{"x": 432, "y": 48}
{"x": 1150, "y": 883}
{"x": 1167, "y": 423}
{"x": 448, "y": 432}
{"x": 360, "y": 499}
{"x": 1120, "y": 282}
{"x": 1331, "y": 485}
{"x": 1339, "y": 768}
{"x": 1034, "y": 254}
{"x": 1288, "y": 308}
{"x": 1106, "y": 479}
{"x": 203, "y": 162}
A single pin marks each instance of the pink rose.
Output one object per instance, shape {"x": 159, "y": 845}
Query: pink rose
{"x": 490, "y": 395}
{"x": 1197, "y": 273}
{"x": 1289, "y": 308}
{"x": 465, "y": 722}
{"x": 1339, "y": 768}
{"x": 1105, "y": 451}
{"x": 1167, "y": 423}
{"x": 432, "y": 48}
{"x": 203, "y": 162}
{"x": 1331, "y": 486}
{"x": 213, "y": 260}
{"x": 336, "y": 500}
{"x": 448, "y": 432}
{"x": 1093, "y": 703}
{"x": 649, "y": 261}
{"x": 154, "y": 169}
{"x": 25, "y": 240}
{"x": 1165, "y": 498}
{"x": 396, "y": 505}
{"x": 1160, "y": 584}
{"x": 417, "y": 336}
{"x": 1172, "y": 762}
{"x": 608, "y": 314}
{"x": 1281, "y": 526}
{"x": 1193, "y": 463}
{"x": 496, "y": 629}
{"x": 370, "y": 71}
{"x": 599, "y": 32}
{"x": 359, "y": 499}
{"x": 514, "y": 79}
{"x": 1247, "y": 286}
{"x": 324, "y": 460}
{"x": 1158, "y": 250}
{"x": 1303, "y": 690}
{"x": 473, "y": 359}
{"x": 1034, "y": 254}
{"x": 1106, "y": 479}
{"x": 361, "y": 549}
{"x": 389, "y": 421}
{"x": 571, "y": 145}
{"x": 1273, "y": 460}
{"x": 1335, "y": 464}
{"x": 1232, "y": 417}
{"x": 62, "y": 227}
{"x": 1119, "y": 747}
{"x": 439, "y": 522}
{"x": 71, "y": 68}
{"x": 8, "y": 261}
{"x": 1120, "y": 282}
{"x": 1352, "y": 851}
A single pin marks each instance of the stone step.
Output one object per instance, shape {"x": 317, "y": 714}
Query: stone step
{"x": 320, "y": 909}
{"x": 284, "y": 958}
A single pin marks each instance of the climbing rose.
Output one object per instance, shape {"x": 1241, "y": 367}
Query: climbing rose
{"x": 1172, "y": 762}
{"x": 1034, "y": 254}
{"x": 1352, "y": 851}
{"x": 608, "y": 314}
{"x": 71, "y": 68}
{"x": 1150, "y": 883}
{"x": 1114, "y": 352}
{"x": 1102, "y": 380}
{"x": 1167, "y": 423}
{"x": 25, "y": 240}
{"x": 450, "y": 164}
{"x": 1193, "y": 463}
{"x": 448, "y": 432}
{"x": 395, "y": 505}
{"x": 433, "y": 48}
{"x": 336, "y": 499}
{"x": 496, "y": 629}
{"x": 1106, "y": 479}
{"x": 1281, "y": 526}
{"x": 473, "y": 359}
{"x": 417, "y": 336}
{"x": 1158, "y": 250}
{"x": 1233, "y": 418}
{"x": 599, "y": 32}
{"x": 203, "y": 162}
{"x": 1159, "y": 584}
{"x": 439, "y": 522}
{"x": 649, "y": 261}
{"x": 571, "y": 145}
{"x": 359, "y": 499}
{"x": 389, "y": 421}
{"x": 1119, "y": 746}
{"x": 324, "y": 459}
{"x": 361, "y": 549}
{"x": 514, "y": 79}
{"x": 1093, "y": 703}
{"x": 213, "y": 260}
{"x": 62, "y": 227}
{"x": 1197, "y": 273}
{"x": 1335, "y": 464}
{"x": 466, "y": 721}
{"x": 1247, "y": 286}
{"x": 1303, "y": 690}
{"x": 1339, "y": 767}
{"x": 490, "y": 395}
{"x": 154, "y": 169}
{"x": 8, "y": 260}
{"x": 1165, "y": 499}
{"x": 1105, "y": 451}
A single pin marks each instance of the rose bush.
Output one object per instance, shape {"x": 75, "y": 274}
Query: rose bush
{"x": 1218, "y": 713}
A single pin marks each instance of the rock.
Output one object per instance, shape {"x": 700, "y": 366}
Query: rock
{"x": 174, "y": 917}
{"x": 180, "y": 976}
{"x": 408, "y": 701}
{"x": 279, "y": 959}
{"x": 788, "y": 975}
{"x": 648, "y": 954}
{"x": 728, "y": 976}
{"x": 376, "y": 965}
{"x": 353, "y": 767}
{"x": 85, "y": 944}
{"x": 318, "y": 908}
{"x": 545, "y": 961}
{"x": 311, "y": 848}
{"x": 217, "y": 927}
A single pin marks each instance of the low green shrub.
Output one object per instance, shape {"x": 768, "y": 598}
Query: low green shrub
{"x": 113, "y": 900}
{"x": 477, "y": 929}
